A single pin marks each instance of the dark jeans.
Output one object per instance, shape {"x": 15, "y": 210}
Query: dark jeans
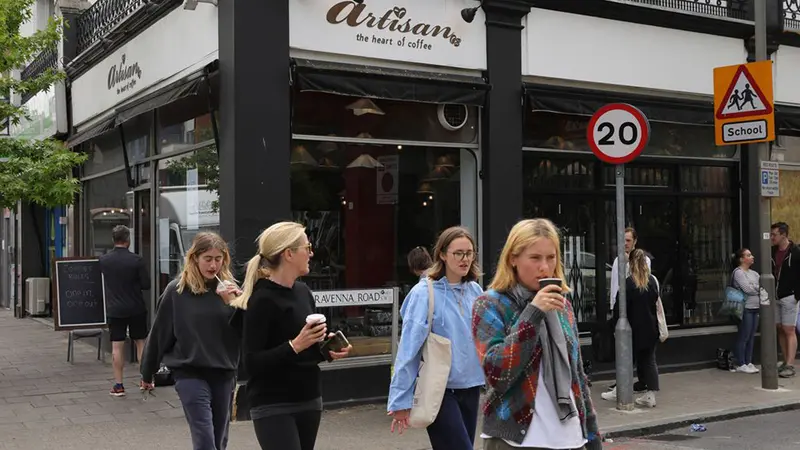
{"x": 746, "y": 337}
{"x": 296, "y": 431}
{"x": 646, "y": 368}
{"x": 454, "y": 427}
{"x": 207, "y": 406}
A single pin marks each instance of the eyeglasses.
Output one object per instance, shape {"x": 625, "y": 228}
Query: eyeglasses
{"x": 461, "y": 255}
{"x": 308, "y": 247}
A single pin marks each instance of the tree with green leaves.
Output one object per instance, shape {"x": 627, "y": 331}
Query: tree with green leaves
{"x": 37, "y": 172}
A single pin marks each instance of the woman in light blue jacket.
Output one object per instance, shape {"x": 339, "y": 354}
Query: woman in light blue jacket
{"x": 453, "y": 277}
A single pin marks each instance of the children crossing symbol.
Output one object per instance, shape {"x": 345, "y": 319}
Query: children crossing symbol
{"x": 743, "y": 98}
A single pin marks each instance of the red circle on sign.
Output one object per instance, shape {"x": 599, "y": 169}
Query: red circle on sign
{"x": 644, "y": 129}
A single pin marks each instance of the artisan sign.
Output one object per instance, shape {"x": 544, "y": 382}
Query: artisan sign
{"x": 354, "y": 297}
{"x": 419, "y": 31}
{"x": 123, "y": 76}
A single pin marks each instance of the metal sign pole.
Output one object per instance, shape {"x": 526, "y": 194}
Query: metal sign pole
{"x": 623, "y": 333}
{"x": 769, "y": 351}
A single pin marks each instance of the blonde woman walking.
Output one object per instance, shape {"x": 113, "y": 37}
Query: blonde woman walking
{"x": 194, "y": 335}
{"x": 527, "y": 339}
{"x": 281, "y": 348}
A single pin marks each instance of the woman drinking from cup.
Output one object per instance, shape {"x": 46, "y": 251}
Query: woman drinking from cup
{"x": 527, "y": 340}
{"x": 282, "y": 337}
{"x": 194, "y": 336}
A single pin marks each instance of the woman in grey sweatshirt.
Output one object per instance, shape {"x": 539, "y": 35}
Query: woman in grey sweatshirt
{"x": 747, "y": 281}
{"x": 197, "y": 335}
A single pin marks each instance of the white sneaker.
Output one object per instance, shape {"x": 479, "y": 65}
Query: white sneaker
{"x": 744, "y": 368}
{"x": 648, "y": 400}
{"x": 611, "y": 395}
{"x": 753, "y": 368}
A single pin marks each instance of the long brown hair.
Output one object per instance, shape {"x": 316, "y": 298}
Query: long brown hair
{"x": 640, "y": 273}
{"x": 191, "y": 277}
{"x": 439, "y": 269}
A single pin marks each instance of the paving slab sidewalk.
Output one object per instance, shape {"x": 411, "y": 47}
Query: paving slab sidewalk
{"x": 700, "y": 396}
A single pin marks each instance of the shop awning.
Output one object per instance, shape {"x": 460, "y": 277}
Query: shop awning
{"x": 163, "y": 97}
{"x": 96, "y": 130}
{"x": 787, "y": 119}
{"x": 583, "y": 102}
{"x": 384, "y": 83}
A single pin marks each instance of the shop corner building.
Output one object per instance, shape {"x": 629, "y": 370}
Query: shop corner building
{"x": 379, "y": 124}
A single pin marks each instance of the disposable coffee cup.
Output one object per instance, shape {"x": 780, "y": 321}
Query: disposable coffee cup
{"x": 315, "y": 318}
{"x": 549, "y": 281}
{"x": 223, "y": 285}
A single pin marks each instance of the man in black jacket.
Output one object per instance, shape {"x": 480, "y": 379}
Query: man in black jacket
{"x": 786, "y": 269}
{"x": 125, "y": 278}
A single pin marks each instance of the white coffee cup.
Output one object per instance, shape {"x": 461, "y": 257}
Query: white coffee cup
{"x": 316, "y": 318}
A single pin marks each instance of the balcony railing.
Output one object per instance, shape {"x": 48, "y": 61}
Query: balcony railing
{"x": 731, "y": 9}
{"x": 102, "y": 17}
{"x": 47, "y": 59}
{"x": 791, "y": 14}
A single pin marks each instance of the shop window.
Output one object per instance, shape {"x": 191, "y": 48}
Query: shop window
{"x": 352, "y": 117}
{"x": 137, "y": 137}
{"x": 708, "y": 180}
{"x": 641, "y": 176}
{"x": 188, "y": 203}
{"x": 186, "y": 122}
{"x": 707, "y": 242}
{"x": 784, "y": 208}
{"x": 365, "y": 207}
{"x": 541, "y": 173}
{"x": 109, "y": 202}
{"x": 548, "y": 130}
{"x": 105, "y": 153}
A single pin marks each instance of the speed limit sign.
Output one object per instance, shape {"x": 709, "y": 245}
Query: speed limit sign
{"x": 618, "y": 133}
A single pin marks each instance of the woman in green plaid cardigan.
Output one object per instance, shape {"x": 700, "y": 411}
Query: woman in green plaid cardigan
{"x": 527, "y": 341}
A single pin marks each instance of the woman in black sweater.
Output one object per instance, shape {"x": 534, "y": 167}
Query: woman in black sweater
{"x": 281, "y": 349}
{"x": 641, "y": 297}
{"x": 193, "y": 334}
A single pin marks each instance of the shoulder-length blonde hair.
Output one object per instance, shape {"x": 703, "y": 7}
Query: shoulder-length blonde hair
{"x": 439, "y": 269}
{"x": 640, "y": 273}
{"x": 522, "y": 235}
{"x": 191, "y": 277}
{"x": 272, "y": 242}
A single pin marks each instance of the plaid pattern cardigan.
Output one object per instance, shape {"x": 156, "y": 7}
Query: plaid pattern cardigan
{"x": 506, "y": 337}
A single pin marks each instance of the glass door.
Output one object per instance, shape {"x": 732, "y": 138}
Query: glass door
{"x": 575, "y": 218}
{"x": 142, "y": 236}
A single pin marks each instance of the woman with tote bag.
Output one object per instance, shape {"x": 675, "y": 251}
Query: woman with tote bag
{"x": 437, "y": 369}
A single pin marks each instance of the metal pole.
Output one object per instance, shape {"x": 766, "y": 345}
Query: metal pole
{"x": 769, "y": 350}
{"x": 623, "y": 333}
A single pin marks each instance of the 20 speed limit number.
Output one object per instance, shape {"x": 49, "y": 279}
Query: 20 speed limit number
{"x": 618, "y": 133}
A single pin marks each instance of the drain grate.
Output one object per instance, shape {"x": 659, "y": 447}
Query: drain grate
{"x": 672, "y": 438}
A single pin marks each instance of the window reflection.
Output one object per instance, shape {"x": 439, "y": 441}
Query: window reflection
{"x": 353, "y": 117}
{"x": 188, "y": 203}
{"x": 105, "y": 153}
{"x": 365, "y": 207}
{"x": 568, "y": 132}
{"x": 109, "y": 203}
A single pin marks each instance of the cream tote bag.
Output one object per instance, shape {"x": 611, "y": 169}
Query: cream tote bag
{"x": 663, "y": 330}
{"x": 434, "y": 371}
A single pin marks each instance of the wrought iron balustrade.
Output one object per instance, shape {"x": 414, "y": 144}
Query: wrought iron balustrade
{"x": 47, "y": 59}
{"x": 732, "y": 9}
{"x": 102, "y": 17}
{"x": 791, "y": 14}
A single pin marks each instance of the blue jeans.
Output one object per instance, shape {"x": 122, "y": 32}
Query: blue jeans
{"x": 454, "y": 427}
{"x": 746, "y": 337}
{"x": 207, "y": 406}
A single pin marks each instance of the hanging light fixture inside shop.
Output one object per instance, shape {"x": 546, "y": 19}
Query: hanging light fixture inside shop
{"x": 443, "y": 168}
{"x": 365, "y": 106}
{"x": 365, "y": 161}
{"x": 301, "y": 157}
{"x": 425, "y": 188}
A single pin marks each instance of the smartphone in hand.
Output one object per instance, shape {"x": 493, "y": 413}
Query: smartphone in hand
{"x": 335, "y": 343}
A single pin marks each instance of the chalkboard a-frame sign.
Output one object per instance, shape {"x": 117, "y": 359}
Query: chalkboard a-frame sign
{"x": 80, "y": 294}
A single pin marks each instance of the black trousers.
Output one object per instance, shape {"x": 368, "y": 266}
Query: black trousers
{"x": 454, "y": 427}
{"x": 646, "y": 368}
{"x": 296, "y": 431}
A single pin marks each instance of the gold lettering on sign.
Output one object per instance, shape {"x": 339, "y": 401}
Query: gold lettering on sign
{"x": 355, "y": 15}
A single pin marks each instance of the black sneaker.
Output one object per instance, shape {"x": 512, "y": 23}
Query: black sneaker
{"x": 787, "y": 372}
